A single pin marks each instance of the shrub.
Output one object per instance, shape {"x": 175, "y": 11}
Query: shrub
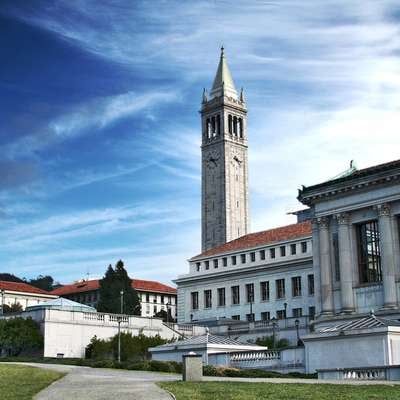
{"x": 268, "y": 341}
{"x": 20, "y": 336}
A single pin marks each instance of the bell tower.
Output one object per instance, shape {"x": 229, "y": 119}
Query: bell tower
{"x": 225, "y": 204}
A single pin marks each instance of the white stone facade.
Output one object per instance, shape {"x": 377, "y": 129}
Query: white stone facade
{"x": 210, "y": 274}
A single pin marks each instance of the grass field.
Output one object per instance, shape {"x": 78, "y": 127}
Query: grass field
{"x": 278, "y": 391}
{"x": 18, "y": 382}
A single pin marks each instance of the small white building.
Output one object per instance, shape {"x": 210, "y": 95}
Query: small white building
{"x": 22, "y": 293}
{"x": 68, "y": 327}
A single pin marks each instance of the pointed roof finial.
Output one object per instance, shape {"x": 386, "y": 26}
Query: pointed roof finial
{"x": 222, "y": 51}
{"x": 205, "y": 99}
{"x": 242, "y": 96}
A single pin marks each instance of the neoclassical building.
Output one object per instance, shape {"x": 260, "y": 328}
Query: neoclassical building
{"x": 356, "y": 253}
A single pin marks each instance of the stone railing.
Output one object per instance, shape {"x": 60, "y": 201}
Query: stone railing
{"x": 270, "y": 325}
{"x": 252, "y": 356}
{"x": 187, "y": 329}
{"x": 390, "y": 372}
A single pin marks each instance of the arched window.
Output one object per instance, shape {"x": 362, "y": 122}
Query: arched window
{"x": 208, "y": 128}
{"x": 241, "y": 128}
{"x": 213, "y": 126}
{"x": 235, "y": 130}
{"x": 218, "y": 125}
{"x": 230, "y": 123}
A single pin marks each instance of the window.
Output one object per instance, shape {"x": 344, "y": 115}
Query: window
{"x": 250, "y": 317}
{"x": 243, "y": 258}
{"x": 293, "y": 249}
{"x": 195, "y": 300}
{"x": 147, "y": 297}
{"x": 230, "y": 123}
{"x": 297, "y": 312}
{"x": 207, "y": 264}
{"x": 253, "y": 257}
{"x": 265, "y": 316}
{"x": 155, "y": 299}
{"x": 310, "y": 285}
{"x": 162, "y": 299}
{"x": 215, "y": 263}
{"x": 207, "y": 299}
{"x": 335, "y": 245}
{"x": 262, "y": 254}
{"x": 311, "y": 312}
{"x": 197, "y": 266}
{"x": 369, "y": 256}
{"x": 235, "y": 295}
{"x": 233, "y": 260}
{"x": 224, "y": 261}
{"x": 250, "y": 292}
{"x": 236, "y": 317}
{"x": 282, "y": 250}
{"x": 304, "y": 247}
{"x": 221, "y": 297}
{"x": 280, "y": 288}
{"x": 296, "y": 286}
{"x": 264, "y": 290}
{"x": 155, "y": 310}
{"x": 272, "y": 253}
{"x": 281, "y": 314}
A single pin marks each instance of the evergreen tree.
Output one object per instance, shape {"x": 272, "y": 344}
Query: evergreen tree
{"x": 43, "y": 282}
{"x": 115, "y": 280}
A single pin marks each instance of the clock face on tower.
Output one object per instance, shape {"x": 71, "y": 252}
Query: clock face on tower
{"x": 212, "y": 159}
{"x": 236, "y": 157}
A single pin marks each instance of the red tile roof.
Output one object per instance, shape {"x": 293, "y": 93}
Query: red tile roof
{"x": 21, "y": 287}
{"x": 289, "y": 232}
{"x": 138, "y": 284}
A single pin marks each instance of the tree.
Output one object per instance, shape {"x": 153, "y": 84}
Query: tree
{"x": 19, "y": 335}
{"x": 166, "y": 317}
{"x": 43, "y": 282}
{"x": 14, "y": 308}
{"x": 4, "y": 276}
{"x": 115, "y": 280}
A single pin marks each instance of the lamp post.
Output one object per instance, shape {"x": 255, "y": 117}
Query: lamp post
{"x": 119, "y": 325}
{"x": 273, "y": 331}
{"x": 2, "y": 302}
{"x": 297, "y": 324}
{"x": 167, "y": 312}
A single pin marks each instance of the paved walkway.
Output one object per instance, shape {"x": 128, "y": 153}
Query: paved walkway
{"x": 84, "y": 383}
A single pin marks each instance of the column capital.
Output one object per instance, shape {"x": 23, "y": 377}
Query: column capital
{"x": 383, "y": 210}
{"x": 323, "y": 222}
{"x": 342, "y": 218}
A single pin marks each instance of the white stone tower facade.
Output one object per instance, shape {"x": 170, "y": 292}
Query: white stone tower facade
{"x": 225, "y": 204}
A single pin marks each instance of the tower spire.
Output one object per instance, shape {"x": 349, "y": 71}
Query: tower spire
{"x": 223, "y": 83}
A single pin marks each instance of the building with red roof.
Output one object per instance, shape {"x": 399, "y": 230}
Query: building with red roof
{"x": 154, "y": 296}
{"x": 23, "y": 294}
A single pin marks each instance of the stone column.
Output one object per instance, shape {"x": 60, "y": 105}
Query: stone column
{"x": 387, "y": 256}
{"x": 346, "y": 273}
{"x": 326, "y": 267}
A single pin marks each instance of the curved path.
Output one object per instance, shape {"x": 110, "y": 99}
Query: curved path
{"x": 84, "y": 383}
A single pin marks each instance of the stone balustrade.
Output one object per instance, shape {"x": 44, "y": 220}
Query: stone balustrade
{"x": 252, "y": 356}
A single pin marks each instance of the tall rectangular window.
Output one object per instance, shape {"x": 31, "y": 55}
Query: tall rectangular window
{"x": 293, "y": 249}
{"x": 272, "y": 253}
{"x": 297, "y": 312}
{"x": 310, "y": 285}
{"x": 280, "y": 288}
{"x": 195, "y": 300}
{"x": 197, "y": 266}
{"x": 221, "y": 297}
{"x": 265, "y": 316}
{"x": 243, "y": 258}
{"x": 252, "y": 256}
{"x": 233, "y": 260}
{"x": 262, "y": 254}
{"x": 264, "y": 291}
{"x": 250, "y": 292}
{"x": 224, "y": 261}
{"x": 207, "y": 299}
{"x": 207, "y": 264}
{"x": 296, "y": 286}
{"x": 281, "y": 314}
{"x": 282, "y": 250}
{"x": 369, "y": 255}
{"x": 304, "y": 247}
{"x": 335, "y": 245}
{"x": 235, "y": 295}
{"x": 311, "y": 312}
{"x": 216, "y": 263}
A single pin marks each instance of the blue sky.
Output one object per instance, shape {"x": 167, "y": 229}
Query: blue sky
{"x": 100, "y": 131}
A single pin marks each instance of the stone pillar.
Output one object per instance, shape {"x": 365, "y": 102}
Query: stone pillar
{"x": 325, "y": 267}
{"x": 192, "y": 367}
{"x": 387, "y": 256}
{"x": 346, "y": 273}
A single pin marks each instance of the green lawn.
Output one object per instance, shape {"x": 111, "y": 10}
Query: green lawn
{"x": 19, "y": 382}
{"x": 277, "y": 391}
